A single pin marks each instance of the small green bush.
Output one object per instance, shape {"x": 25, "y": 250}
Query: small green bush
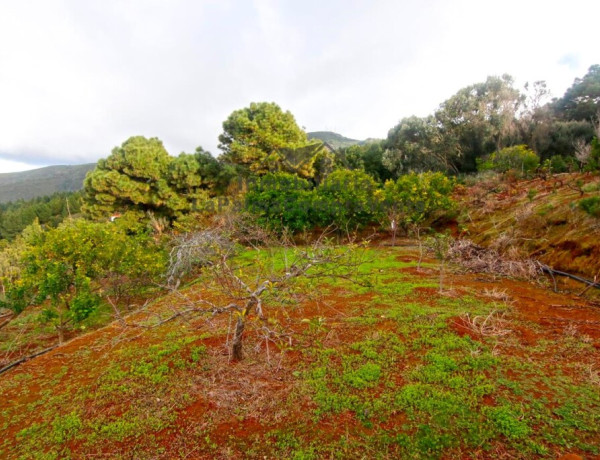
{"x": 414, "y": 198}
{"x": 518, "y": 158}
{"x": 348, "y": 199}
{"x": 558, "y": 164}
{"x": 281, "y": 200}
{"x": 593, "y": 163}
{"x": 591, "y": 206}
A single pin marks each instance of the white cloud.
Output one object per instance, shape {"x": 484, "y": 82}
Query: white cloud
{"x": 7, "y": 166}
{"x": 79, "y": 77}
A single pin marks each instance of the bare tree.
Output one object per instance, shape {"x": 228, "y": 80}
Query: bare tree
{"x": 582, "y": 151}
{"x": 243, "y": 285}
{"x": 440, "y": 244}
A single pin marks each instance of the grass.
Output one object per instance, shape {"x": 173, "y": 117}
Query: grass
{"x": 557, "y": 224}
{"x": 380, "y": 371}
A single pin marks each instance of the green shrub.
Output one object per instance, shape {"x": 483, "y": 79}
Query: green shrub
{"x": 348, "y": 199}
{"x": 518, "y": 158}
{"x": 593, "y": 163}
{"x": 558, "y": 164}
{"x": 414, "y": 198}
{"x": 73, "y": 263}
{"x": 281, "y": 200}
{"x": 591, "y": 206}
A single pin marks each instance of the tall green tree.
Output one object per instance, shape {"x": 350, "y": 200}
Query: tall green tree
{"x": 263, "y": 138}
{"x": 366, "y": 157}
{"x": 480, "y": 119}
{"x": 582, "y": 100}
{"x": 133, "y": 177}
{"x": 140, "y": 176}
{"x": 414, "y": 145}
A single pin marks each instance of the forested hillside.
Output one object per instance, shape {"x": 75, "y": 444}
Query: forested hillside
{"x": 335, "y": 140}
{"x": 48, "y": 211}
{"x": 41, "y": 182}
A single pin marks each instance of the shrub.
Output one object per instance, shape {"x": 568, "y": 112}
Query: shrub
{"x": 518, "y": 158}
{"x": 281, "y": 200}
{"x": 593, "y": 163}
{"x": 591, "y": 206}
{"x": 558, "y": 164}
{"x": 414, "y": 198}
{"x": 71, "y": 264}
{"x": 348, "y": 199}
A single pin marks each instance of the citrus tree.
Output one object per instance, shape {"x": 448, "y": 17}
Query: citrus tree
{"x": 69, "y": 268}
{"x": 281, "y": 201}
{"x": 413, "y": 199}
{"x": 347, "y": 199}
{"x": 518, "y": 158}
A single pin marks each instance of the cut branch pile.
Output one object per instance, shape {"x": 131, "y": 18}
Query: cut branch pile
{"x": 481, "y": 260}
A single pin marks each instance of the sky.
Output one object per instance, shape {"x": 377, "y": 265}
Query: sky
{"x": 79, "y": 77}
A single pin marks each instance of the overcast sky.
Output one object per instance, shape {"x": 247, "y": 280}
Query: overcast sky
{"x": 79, "y": 77}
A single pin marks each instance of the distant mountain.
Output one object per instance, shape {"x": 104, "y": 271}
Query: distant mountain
{"x": 44, "y": 181}
{"x": 336, "y": 140}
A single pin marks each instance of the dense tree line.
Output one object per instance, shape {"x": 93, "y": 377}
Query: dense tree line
{"x": 49, "y": 211}
{"x": 486, "y": 117}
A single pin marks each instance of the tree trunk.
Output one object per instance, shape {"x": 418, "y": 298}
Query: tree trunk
{"x": 61, "y": 335}
{"x": 236, "y": 344}
{"x": 418, "y": 233}
{"x": 4, "y": 322}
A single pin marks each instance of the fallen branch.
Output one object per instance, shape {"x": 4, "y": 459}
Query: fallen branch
{"x": 551, "y": 271}
{"x": 26, "y": 358}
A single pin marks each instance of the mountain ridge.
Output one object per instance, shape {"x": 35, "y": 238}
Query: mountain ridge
{"x": 25, "y": 185}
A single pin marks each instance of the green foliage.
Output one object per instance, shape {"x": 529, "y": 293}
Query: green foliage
{"x": 72, "y": 264}
{"x": 551, "y": 136}
{"x": 198, "y": 175}
{"x": 65, "y": 428}
{"x": 414, "y": 145}
{"x": 478, "y": 120}
{"x": 48, "y": 210}
{"x": 366, "y": 157}
{"x": 593, "y": 163}
{"x": 508, "y": 422}
{"x": 348, "y": 199}
{"x": 518, "y": 158}
{"x": 281, "y": 201}
{"x": 141, "y": 177}
{"x": 262, "y": 138}
{"x": 414, "y": 198}
{"x": 582, "y": 100}
{"x": 558, "y": 164}
{"x": 365, "y": 376}
{"x": 591, "y": 206}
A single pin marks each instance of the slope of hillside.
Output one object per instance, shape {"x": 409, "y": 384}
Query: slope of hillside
{"x": 486, "y": 369}
{"x": 334, "y": 139}
{"x": 538, "y": 218}
{"x": 43, "y": 181}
